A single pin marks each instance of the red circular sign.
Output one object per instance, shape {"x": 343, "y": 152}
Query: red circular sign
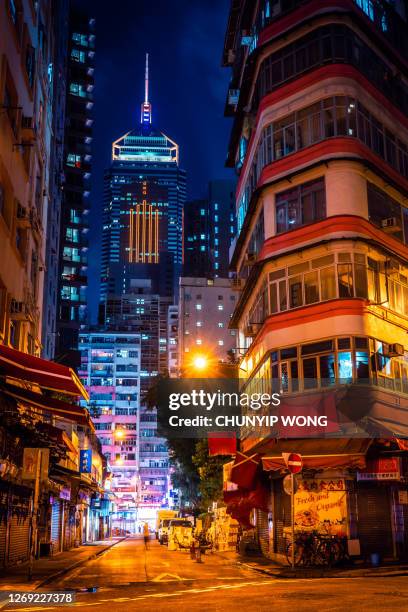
{"x": 294, "y": 463}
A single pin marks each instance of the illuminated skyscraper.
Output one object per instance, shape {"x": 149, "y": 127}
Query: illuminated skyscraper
{"x": 143, "y": 206}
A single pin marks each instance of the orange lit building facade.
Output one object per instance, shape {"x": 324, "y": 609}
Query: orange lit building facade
{"x": 319, "y": 96}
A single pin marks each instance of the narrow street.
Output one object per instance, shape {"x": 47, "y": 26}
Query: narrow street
{"x": 127, "y": 577}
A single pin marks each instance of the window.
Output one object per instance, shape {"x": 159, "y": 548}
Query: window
{"x": 81, "y": 39}
{"x": 220, "y": 307}
{"x": 198, "y": 341}
{"x": 221, "y": 342}
{"x": 30, "y": 64}
{"x": 199, "y": 324}
{"x": 387, "y": 214}
{"x": 198, "y": 306}
{"x": 77, "y": 89}
{"x": 78, "y": 56}
{"x": 300, "y": 206}
{"x": 220, "y": 325}
{"x": 337, "y": 115}
{"x": 73, "y": 160}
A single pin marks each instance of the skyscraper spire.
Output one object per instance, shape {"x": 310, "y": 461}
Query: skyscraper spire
{"x": 146, "y": 113}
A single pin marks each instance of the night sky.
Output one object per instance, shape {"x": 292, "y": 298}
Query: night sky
{"x": 188, "y": 86}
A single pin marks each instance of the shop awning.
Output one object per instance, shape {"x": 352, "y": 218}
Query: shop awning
{"x": 23, "y": 367}
{"x": 58, "y": 408}
{"x": 244, "y": 470}
{"x": 318, "y": 462}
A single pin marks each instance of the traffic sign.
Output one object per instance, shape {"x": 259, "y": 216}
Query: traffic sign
{"x": 293, "y": 462}
{"x": 288, "y": 482}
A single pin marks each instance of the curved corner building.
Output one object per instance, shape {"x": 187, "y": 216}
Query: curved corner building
{"x": 319, "y": 99}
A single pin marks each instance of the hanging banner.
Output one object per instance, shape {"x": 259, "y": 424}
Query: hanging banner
{"x": 85, "y": 461}
{"x": 321, "y": 505}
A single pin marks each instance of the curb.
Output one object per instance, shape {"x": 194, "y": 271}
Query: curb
{"x": 73, "y": 566}
{"x": 319, "y": 575}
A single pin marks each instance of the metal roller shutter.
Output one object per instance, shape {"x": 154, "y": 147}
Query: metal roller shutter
{"x": 3, "y": 535}
{"x": 374, "y": 520}
{"x": 282, "y": 516}
{"x": 56, "y": 526}
{"x": 19, "y": 537}
{"x": 263, "y": 531}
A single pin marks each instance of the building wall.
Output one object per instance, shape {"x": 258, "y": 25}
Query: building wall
{"x": 26, "y": 84}
{"x": 205, "y": 309}
{"x": 76, "y": 190}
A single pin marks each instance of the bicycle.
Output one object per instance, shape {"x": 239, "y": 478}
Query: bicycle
{"x": 306, "y": 551}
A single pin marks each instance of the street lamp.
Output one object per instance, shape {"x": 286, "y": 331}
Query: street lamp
{"x": 200, "y": 362}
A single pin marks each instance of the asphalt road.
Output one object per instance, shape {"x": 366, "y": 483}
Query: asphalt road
{"x": 127, "y": 578}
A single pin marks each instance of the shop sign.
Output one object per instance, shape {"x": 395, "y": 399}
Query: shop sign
{"x": 385, "y": 468}
{"x": 31, "y": 458}
{"x": 321, "y": 505}
{"x": 85, "y": 461}
{"x": 403, "y": 498}
{"x": 65, "y": 493}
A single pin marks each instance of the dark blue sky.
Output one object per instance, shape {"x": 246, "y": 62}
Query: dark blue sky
{"x": 184, "y": 39}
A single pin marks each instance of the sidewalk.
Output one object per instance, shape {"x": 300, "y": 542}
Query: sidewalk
{"x": 271, "y": 568}
{"x": 48, "y": 568}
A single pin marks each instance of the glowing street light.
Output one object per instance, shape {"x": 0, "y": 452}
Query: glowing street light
{"x": 119, "y": 434}
{"x": 200, "y": 362}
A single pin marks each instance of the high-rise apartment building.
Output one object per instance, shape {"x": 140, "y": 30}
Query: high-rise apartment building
{"x": 144, "y": 197}
{"x": 209, "y": 229}
{"x": 26, "y": 118}
{"x": 205, "y": 309}
{"x": 110, "y": 370}
{"x": 319, "y": 99}
{"x": 58, "y": 70}
{"x": 76, "y": 189}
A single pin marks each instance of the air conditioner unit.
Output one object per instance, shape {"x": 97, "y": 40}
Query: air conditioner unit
{"x": 391, "y": 224}
{"x": 395, "y": 350}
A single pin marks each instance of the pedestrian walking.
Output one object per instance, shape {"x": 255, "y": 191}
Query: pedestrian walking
{"x": 146, "y": 535}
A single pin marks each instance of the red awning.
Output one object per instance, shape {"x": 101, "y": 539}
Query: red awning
{"x": 222, "y": 443}
{"x": 322, "y": 462}
{"x": 244, "y": 470}
{"x": 58, "y": 408}
{"x": 47, "y": 374}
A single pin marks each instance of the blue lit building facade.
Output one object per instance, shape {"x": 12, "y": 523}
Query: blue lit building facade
{"x": 145, "y": 191}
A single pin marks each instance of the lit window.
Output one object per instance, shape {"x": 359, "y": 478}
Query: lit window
{"x": 216, "y": 218}
{"x": 198, "y": 306}
{"x": 202, "y": 247}
{"x": 202, "y": 236}
{"x": 77, "y": 90}
{"x": 78, "y": 56}
{"x": 216, "y": 253}
{"x": 215, "y": 206}
{"x": 216, "y": 241}
{"x": 220, "y": 307}
{"x": 216, "y": 265}
{"x": 216, "y": 229}
{"x": 220, "y": 324}
{"x": 221, "y": 342}
{"x": 199, "y": 324}
{"x": 198, "y": 341}
{"x": 202, "y": 212}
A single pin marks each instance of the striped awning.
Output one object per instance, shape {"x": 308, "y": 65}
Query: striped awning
{"x": 47, "y": 374}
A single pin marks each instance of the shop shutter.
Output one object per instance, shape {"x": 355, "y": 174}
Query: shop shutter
{"x": 374, "y": 520}
{"x": 19, "y": 544}
{"x": 263, "y": 531}
{"x": 3, "y": 534}
{"x": 281, "y": 517}
{"x": 56, "y": 526}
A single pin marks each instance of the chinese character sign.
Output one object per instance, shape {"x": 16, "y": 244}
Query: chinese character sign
{"x": 85, "y": 461}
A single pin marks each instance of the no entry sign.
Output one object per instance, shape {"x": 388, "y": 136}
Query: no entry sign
{"x": 294, "y": 462}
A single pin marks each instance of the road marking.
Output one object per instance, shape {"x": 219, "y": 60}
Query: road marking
{"x": 160, "y": 578}
{"x": 155, "y": 595}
